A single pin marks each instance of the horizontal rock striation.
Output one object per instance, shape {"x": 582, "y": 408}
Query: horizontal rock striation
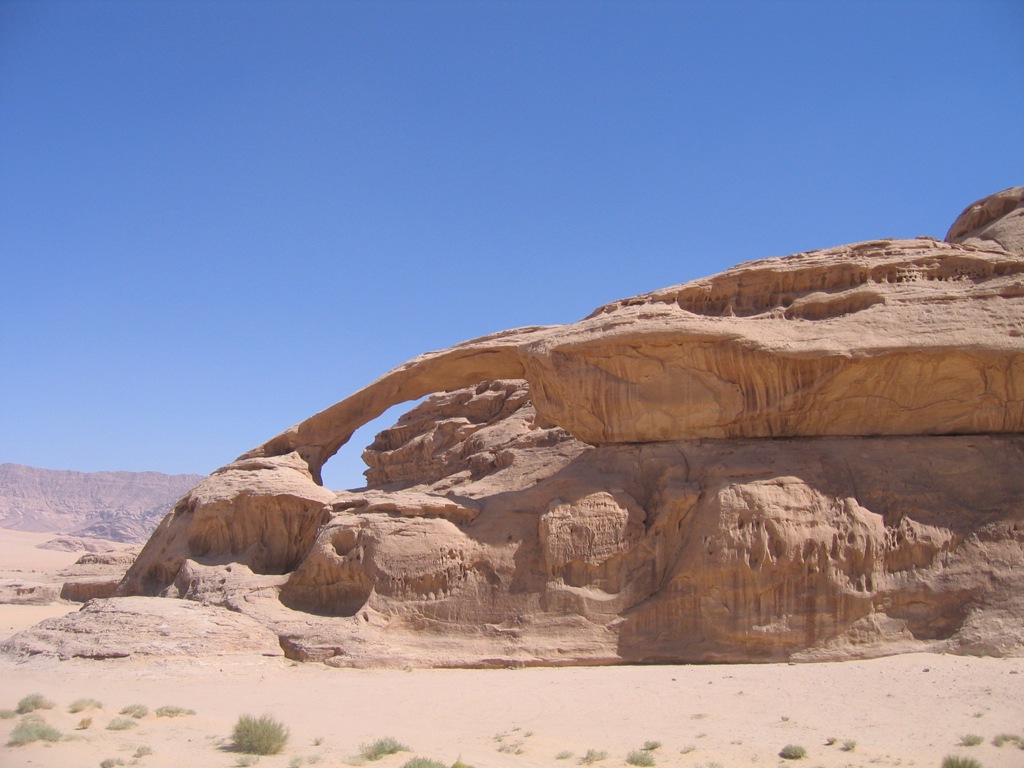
{"x": 813, "y": 457}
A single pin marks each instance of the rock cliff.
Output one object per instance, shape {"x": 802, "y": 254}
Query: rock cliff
{"x": 118, "y": 506}
{"x": 813, "y": 457}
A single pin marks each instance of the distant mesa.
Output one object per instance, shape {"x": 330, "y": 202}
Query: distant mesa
{"x": 114, "y": 506}
{"x": 803, "y": 458}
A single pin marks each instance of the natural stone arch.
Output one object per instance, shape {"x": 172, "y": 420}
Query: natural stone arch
{"x": 499, "y": 356}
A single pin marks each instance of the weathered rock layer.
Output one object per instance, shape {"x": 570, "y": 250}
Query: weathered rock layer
{"x": 820, "y": 456}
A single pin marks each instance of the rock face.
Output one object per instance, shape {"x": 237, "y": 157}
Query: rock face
{"x": 813, "y": 457}
{"x": 119, "y": 506}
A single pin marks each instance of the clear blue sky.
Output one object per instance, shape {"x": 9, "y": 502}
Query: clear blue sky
{"x": 217, "y": 218}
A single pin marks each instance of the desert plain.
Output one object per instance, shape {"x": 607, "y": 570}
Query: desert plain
{"x": 904, "y": 710}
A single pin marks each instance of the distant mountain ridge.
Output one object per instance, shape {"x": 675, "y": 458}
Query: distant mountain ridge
{"x": 121, "y": 506}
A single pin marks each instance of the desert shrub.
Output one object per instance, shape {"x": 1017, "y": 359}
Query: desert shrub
{"x": 143, "y": 751}
{"x": 381, "y": 748}
{"x": 849, "y": 745}
{"x": 970, "y": 740}
{"x": 955, "y": 761}
{"x": 80, "y": 704}
{"x": 244, "y": 760}
{"x": 650, "y": 746}
{"x": 84, "y": 723}
{"x": 459, "y": 764}
{"x": 593, "y": 756}
{"x": 135, "y": 710}
{"x": 173, "y": 711}
{"x": 33, "y": 728}
{"x": 641, "y": 758}
{"x": 121, "y": 724}
{"x": 259, "y": 736}
{"x": 1011, "y": 738}
{"x": 32, "y": 702}
{"x": 830, "y": 741}
{"x": 110, "y": 762}
{"x": 7, "y": 714}
{"x": 792, "y": 752}
{"x": 565, "y": 754}
{"x": 422, "y": 762}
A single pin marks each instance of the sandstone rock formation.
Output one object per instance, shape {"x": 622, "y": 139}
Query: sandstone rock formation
{"x": 118, "y": 506}
{"x": 112, "y": 629}
{"x": 819, "y": 456}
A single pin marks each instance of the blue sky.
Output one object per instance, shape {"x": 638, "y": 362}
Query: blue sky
{"x": 217, "y": 218}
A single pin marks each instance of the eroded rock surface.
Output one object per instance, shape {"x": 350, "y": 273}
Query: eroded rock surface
{"x": 127, "y": 626}
{"x": 813, "y": 457}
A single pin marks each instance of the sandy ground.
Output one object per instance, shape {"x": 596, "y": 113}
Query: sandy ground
{"x": 22, "y": 560}
{"x": 901, "y": 711}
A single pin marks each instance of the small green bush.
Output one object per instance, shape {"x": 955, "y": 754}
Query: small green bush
{"x": 143, "y": 751}
{"x": 121, "y": 724}
{"x": 970, "y": 740}
{"x": 955, "y": 761}
{"x": 81, "y": 704}
{"x": 593, "y": 756}
{"x": 33, "y": 728}
{"x": 174, "y": 712}
{"x": 32, "y": 702}
{"x": 849, "y": 745}
{"x": 110, "y": 762}
{"x": 459, "y": 764}
{"x": 83, "y": 724}
{"x": 565, "y": 754}
{"x": 792, "y": 752}
{"x": 381, "y": 748}
{"x": 244, "y": 760}
{"x": 650, "y": 746}
{"x": 7, "y": 714}
{"x": 259, "y": 736}
{"x": 137, "y": 711}
{"x": 422, "y": 762}
{"x": 641, "y": 758}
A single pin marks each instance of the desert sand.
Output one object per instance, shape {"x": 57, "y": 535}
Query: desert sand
{"x": 901, "y": 710}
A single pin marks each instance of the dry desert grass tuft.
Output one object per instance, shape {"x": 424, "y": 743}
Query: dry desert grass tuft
{"x": 259, "y": 736}
{"x": 32, "y": 702}
{"x": 79, "y": 705}
{"x": 33, "y": 728}
{"x": 381, "y": 748}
